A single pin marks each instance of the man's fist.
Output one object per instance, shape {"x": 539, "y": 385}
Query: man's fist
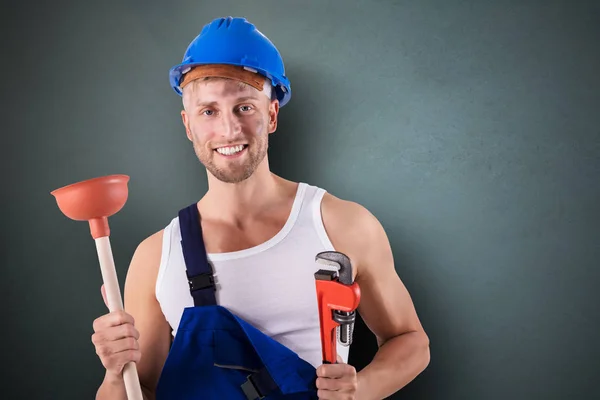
{"x": 115, "y": 339}
{"x": 336, "y": 381}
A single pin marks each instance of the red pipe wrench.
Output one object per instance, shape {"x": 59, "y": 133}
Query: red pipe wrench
{"x": 338, "y": 297}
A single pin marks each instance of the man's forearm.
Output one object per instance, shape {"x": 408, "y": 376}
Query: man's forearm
{"x": 113, "y": 387}
{"x": 397, "y": 362}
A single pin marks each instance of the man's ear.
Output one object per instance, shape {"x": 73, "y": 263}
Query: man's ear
{"x": 186, "y": 123}
{"x": 273, "y": 113}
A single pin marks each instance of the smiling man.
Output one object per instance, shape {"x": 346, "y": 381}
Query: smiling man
{"x": 240, "y": 154}
{"x": 221, "y": 303}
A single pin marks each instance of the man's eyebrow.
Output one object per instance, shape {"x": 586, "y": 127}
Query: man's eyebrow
{"x": 200, "y": 103}
{"x": 205, "y": 103}
{"x": 246, "y": 98}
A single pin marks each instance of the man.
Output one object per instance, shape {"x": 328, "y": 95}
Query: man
{"x": 260, "y": 233}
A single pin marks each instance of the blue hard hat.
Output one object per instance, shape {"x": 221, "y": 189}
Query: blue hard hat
{"x": 234, "y": 41}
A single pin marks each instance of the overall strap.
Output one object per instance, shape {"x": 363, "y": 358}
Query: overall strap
{"x": 199, "y": 272}
{"x": 202, "y": 287}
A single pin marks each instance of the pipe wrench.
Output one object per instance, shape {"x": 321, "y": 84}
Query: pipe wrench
{"x": 338, "y": 297}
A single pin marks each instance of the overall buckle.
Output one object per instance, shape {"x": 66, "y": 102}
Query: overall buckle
{"x": 201, "y": 281}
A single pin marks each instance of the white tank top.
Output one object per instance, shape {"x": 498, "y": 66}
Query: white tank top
{"x": 271, "y": 286}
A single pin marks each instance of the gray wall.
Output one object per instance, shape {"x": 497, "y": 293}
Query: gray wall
{"x": 469, "y": 128}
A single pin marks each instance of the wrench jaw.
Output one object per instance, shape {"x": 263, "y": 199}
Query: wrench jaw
{"x": 340, "y": 261}
{"x": 338, "y": 297}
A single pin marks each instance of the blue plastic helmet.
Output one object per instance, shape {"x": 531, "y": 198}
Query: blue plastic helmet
{"x": 234, "y": 41}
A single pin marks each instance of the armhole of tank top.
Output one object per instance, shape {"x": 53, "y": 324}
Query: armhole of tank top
{"x": 164, "y": 259}
{"x": 318, "y": 219}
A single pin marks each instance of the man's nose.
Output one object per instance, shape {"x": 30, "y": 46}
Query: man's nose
{"x": 231, "y": 125}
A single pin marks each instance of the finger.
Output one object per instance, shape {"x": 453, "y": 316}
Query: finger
{"x": 328, "y": 384}
{"x": 339, "y": 359}
{"x": 117, "y": 350}
{"x": 327, "y": 394}
{"x": 114, "y": 318}
{"x": 126, "y": 331}
{"x": 343, "y": 385}
{"x": 115, "y": 362}
{"x": 114, "y": 348}
{"x": 125, "y": 344}
{"x": 335, "y": 370}
{"x": 115, "y": 333}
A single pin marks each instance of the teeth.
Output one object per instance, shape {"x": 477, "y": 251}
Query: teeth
{"x": 227, "y": 151}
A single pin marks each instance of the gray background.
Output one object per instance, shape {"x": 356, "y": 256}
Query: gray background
{"x": 469, "y": 128}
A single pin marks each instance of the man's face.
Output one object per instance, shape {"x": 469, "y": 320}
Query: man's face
{"x": 228, "y": 124}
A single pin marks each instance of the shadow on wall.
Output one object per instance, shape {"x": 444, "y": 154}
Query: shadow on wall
{"x": 301, "y": 150}
{"x": 294, "y": 154}
{"x": 296, "y": 149}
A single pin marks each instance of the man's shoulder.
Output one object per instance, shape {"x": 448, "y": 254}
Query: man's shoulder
{"x": 145, "y": 263}
{"x": 347, "y": 213}
{"x": 149, "y": 250}
{"x": 351, "y": 228}
{"x": 150, "y": 247}
{"x": 152, "y": 242}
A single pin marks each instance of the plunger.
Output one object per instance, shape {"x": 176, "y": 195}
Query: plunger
{"x": 94, "y": 200}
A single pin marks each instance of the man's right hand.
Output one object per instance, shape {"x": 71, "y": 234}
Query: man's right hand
{"x": 116, "y": 340}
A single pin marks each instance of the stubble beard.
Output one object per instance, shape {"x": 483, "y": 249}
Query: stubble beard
{"x": 236, "y": 171}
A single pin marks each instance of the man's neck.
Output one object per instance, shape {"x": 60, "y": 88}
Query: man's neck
{"x": 236, "y": 202}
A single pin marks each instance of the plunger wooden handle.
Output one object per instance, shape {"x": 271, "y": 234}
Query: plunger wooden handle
{"x": 115, "y": 303}
{"x": 94, "y": 200}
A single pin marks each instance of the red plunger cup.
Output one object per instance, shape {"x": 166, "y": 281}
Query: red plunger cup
{"x": 95, "y": 200}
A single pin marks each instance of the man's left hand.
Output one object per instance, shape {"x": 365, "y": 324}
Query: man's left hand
{"x": 336, "y": 381}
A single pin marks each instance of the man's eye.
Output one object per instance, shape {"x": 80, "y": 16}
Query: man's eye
{"x": 245, "y": 108}
{"x": 208, "y": 112}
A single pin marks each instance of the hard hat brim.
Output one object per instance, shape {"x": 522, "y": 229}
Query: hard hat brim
{"x": 281, "y": 85}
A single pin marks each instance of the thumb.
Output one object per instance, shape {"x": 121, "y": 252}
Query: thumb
{"x": 103, "y": 291}
{"x": 339, "y": 359}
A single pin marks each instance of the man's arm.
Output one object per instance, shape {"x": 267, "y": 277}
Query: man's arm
{"x": 154, "y": 331}
{"x": 385, "y": 306}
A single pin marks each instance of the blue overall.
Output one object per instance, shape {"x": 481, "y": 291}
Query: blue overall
{"x": 217, "y": 355}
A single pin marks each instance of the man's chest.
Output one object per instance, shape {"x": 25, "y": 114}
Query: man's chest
{"x": 225, "y": 238}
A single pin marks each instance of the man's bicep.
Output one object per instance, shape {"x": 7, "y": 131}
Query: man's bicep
{"x": 140, "y": 301}
{"x": 386, "y": 305}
